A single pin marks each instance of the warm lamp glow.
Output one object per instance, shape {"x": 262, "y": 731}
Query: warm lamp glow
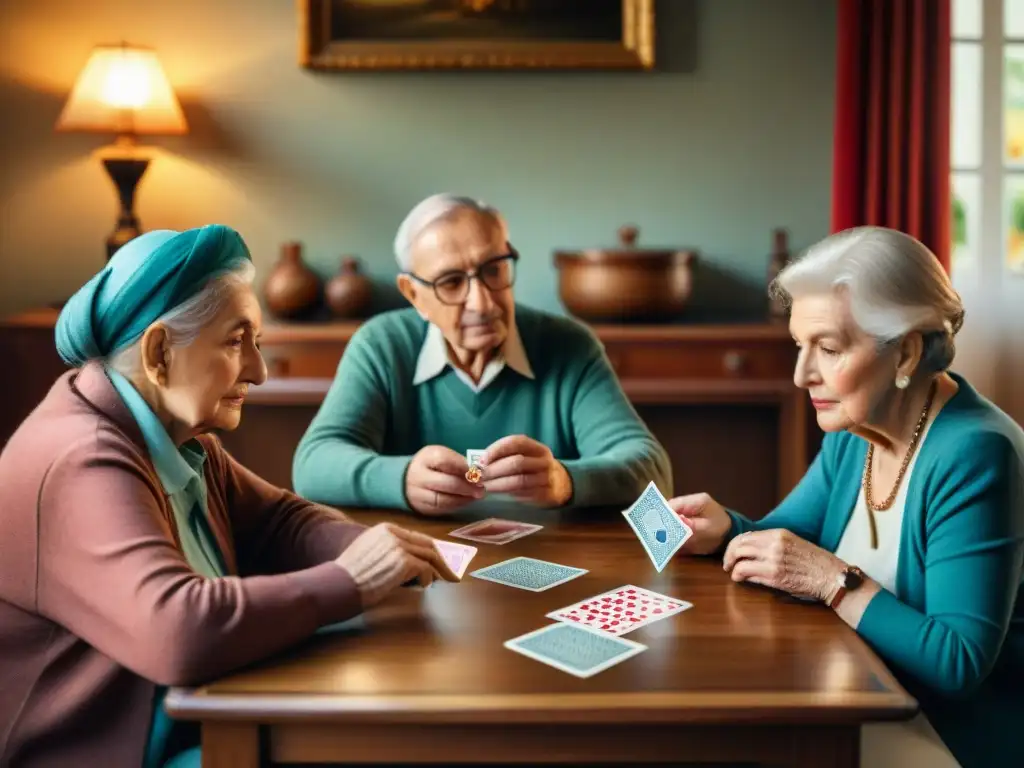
{"x": 123, "y": 90}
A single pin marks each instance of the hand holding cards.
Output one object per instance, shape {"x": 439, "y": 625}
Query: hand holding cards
{"x": 523, "y": 468}
{"x": 384, "y": 557}
{"x": 435, "y": 482}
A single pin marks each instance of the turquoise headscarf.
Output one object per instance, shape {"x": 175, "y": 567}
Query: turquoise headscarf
{"x": 146, "y": 278}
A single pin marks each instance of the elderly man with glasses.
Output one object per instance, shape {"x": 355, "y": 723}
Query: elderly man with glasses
{"x": 466, "y": 368}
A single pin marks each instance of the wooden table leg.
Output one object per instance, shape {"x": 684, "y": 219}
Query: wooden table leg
{"x": 231, "y": 745}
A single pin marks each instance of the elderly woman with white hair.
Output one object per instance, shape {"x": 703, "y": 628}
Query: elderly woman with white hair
{"x": 467, "y": 368}
{"x": 910, "y": 522}
{"x": 137, "y": 554}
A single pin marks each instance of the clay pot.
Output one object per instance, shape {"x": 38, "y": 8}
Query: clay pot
{"x": 292, "y": 289}
{"x": 626, "y": 283}
{"x": 348, "y": 293}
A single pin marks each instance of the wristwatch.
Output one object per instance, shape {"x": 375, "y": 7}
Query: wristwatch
{"x": 849, "y": 579}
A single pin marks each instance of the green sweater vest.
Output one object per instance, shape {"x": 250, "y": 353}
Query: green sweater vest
{"x": 359, "y": 445}
{"x": 954, "y": 631}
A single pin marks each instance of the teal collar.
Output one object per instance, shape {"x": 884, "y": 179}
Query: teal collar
{"x": 175, "y": 467}
{"x": 965, "y": 400}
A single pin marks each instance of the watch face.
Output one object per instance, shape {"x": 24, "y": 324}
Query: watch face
{"x": 852, "y": 578}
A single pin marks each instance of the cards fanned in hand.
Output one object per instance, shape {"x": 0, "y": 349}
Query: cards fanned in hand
{"x": 456, "y": 555}
{"x": 528, "y": 573}
{"x": 657, "y": 526}
{"x": 621, "y": 610}
{"x": 580, "y": 651}
{"x": 495, "y": 531}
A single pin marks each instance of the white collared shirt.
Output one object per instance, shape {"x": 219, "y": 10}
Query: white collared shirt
{"x": 434, "y": 357}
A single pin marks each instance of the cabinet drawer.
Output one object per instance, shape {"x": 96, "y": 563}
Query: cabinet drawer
{"x": 634, "y": 360}
{"x": 303, "y": 360}
{"x": 717, "y": 359}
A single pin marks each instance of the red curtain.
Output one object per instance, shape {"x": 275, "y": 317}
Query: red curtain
{"x": 891, "y": 153}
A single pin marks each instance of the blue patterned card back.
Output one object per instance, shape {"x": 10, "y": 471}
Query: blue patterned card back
{"x": 528, "y": 573}
{"x": 580, "y": 651}
{"x": 657, "y": 526}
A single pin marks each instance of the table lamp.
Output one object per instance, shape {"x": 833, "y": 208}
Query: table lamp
{"x": 123, "y": 90}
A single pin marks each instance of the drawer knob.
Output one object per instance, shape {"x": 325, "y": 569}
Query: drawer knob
{"x": 734, "y": 361}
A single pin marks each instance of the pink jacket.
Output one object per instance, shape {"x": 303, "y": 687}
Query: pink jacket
{"x": 97, "y": 602}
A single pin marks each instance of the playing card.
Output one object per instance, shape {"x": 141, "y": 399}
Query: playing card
{"x": 620, "y": 610}
{"x": 495, "y": 531}
{"x": 580, "y": 651}
{"x": 528, "y": 573}
{"x": 657, "y": 526}
{"x": 456, "y": 555}
{"x": 474, "y": 455}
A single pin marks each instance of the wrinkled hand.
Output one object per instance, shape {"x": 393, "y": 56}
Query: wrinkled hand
{"x": 385, "y": 556}
{"x": 527, "y": 470}
{"x": 707, "y": 519}
{"x": 435, "y": 482}
{"x": 782, "y": 560}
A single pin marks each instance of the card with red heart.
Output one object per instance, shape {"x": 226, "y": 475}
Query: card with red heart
{"x": 621, "y": 610}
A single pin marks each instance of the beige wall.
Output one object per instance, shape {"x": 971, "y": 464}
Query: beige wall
{"x": 734, "y": 138}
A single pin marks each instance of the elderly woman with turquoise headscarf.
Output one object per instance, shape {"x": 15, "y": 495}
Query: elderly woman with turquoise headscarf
{"x": 137, "y": 554}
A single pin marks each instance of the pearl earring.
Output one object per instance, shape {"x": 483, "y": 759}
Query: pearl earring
{"x": 902, "y": 382}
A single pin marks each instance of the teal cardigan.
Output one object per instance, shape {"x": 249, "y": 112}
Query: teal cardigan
{"x": 954, "y": 631}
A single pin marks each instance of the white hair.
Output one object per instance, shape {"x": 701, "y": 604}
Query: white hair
{"x": 894, "y": 285}
{"x": 186, "y": 321}
{"x": 429, "y": 212}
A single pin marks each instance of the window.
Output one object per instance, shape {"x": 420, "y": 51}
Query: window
{"x": 987, "y": 141}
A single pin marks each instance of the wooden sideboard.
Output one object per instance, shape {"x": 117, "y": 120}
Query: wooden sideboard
{"x": 719, "y": 397}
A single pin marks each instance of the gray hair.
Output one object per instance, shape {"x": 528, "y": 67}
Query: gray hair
{"x": 186, "y": 321}
{"x": 429, "y": 212}
{"x": 894, "y": 284}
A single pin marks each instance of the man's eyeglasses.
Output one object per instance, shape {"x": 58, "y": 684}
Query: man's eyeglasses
{"x": 453, "y": 287}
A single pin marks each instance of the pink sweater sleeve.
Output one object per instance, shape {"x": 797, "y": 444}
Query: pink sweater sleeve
{"x": 109, "y": 572}
{"x": 275, "y": 530}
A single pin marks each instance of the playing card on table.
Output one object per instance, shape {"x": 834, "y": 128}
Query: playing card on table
{"x": 657, "y": 526}
{"x": 495, "y": 531}
{"x": 528, "y": 573}
{"x": 620, "y": 610}
{"x": 577, "y": 650}
{"x": 456, "y": 555}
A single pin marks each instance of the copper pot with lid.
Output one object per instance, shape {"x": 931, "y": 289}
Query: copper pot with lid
{"x": 625, "y": 283}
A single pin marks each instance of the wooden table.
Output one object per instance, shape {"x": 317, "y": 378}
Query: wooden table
{"x": 746, "y": 675}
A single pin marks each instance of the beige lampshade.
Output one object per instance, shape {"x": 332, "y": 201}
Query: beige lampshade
{"x": 123, "y": 89}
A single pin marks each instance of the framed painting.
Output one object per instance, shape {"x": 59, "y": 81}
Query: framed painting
{"x": 476, "y": 34}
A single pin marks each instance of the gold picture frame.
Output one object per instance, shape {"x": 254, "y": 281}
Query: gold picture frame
{"x": 321, "y": 49}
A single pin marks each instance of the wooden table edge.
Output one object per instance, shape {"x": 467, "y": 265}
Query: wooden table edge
{"x": 546, "y": 709}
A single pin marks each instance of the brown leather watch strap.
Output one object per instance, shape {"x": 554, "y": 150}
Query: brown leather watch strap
{"x": 838, "y": 598}
{"x": 854, "y": 577}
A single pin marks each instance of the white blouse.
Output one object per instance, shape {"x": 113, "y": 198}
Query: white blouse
{"x": 914, "y": 743}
